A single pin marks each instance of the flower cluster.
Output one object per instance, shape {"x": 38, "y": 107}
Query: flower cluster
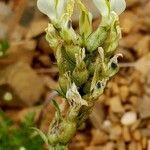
{"x": 86, "y": 60}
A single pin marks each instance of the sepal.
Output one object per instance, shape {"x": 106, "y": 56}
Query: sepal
{"x": 74, "y": 98}
{"x": 85, "y": 20}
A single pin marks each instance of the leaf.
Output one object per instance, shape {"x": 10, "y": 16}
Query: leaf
{"x": 43, "y": 136}
{"x": 4, "y": 45}
{"x": 58, "y": 114}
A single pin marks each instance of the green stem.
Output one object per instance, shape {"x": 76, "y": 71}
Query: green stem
{"x": 59, "y": 147}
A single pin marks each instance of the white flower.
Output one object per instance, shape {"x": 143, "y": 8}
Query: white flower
{"x": 117, "y": 6}
{"x": 105, "y": 6}
{"x": 74, "y": 96}
{"x": 52, "y": 8}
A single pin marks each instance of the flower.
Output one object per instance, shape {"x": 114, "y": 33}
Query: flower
{"x": 105, "y": 6}
{"x": 52, "y": 8}
{"x": 117, "y": 6}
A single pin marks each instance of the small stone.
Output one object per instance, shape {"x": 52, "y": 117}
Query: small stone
{"x": 144, "y": 142}
{"x": 137, "y": 135}
{"x": 129, "y": 118}
{"x": 8, "y": 96}
{"x": 134, "y": 100}
{"x": 115, "y": 133}
{"x": 135, "y": 88}
{"x": 121, "y": 145}
{"x": 99, "y": 137}
{"x": 132, "y": 146}
{"x": 107, "y": 124}
{"x": 139, "y": 146}
{"x": 124, "y": 93}
{"x": 116, "y": 105}
{"x": 143, "y": 107}
{"x": 148, "y": 148}
{"x": 126, "y": 134}
{"x": 128, "y": 20}
{"x": 142, "y": 47}
{"x": 114, "y": 88}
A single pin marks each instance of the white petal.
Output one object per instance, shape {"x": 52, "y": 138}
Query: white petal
{"x": 103, "y": 6}
{"x": 47, "y": 7}
{"x": 118, "y": 6}
{"x": 61, "y": 7}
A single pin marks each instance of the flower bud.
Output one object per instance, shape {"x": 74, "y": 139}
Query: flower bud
{"x": 80, "y": 73}
{"x": 85, "y": 21}
{"x": 64, "y": 82}
{"x": 97, "y": 38}
{"x": 52, "y": 37}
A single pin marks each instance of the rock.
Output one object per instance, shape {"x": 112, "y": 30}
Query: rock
{"x": 136, "y": 135}
{"x": 132, "y": 146}
{"x": 45, "y": 60}
{"x": 126, "y": 134}
{"x": 99, "y": 137}
{"x": 144, "y": 142}
{"x": 121, "y": 145}
{"x": 115, "y": 132}
{"x": 134, "y": 101}
{"x": 144, "y": 107}
{"x": 143, "y": 64}
{"x": 115, "y": 105}
{"x": 107, "y": 125}
{"x": 131, "y": 3}
{"x": 97, "y": 115}
{"x": 130, "y": 40}
{"x": 135, "y": 88}
{"x": 128, "y": 20}
{"x": 43, "y": 45}
{"x": 37, "y": 28}
{"x": 24, "y": 81}
{"x": 124, "y": 93}
{"x": 129, "y": 118}
{"x": 143, "y": 46}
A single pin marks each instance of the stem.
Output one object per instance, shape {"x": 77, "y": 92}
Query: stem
{"x": 59, "y": 147}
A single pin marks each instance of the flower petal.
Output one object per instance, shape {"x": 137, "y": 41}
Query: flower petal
{"x": 103, "y": 6}
{"x": 47, "y": 7}
{"x": 118, "y": 6}
{"x": 60, "y": 7}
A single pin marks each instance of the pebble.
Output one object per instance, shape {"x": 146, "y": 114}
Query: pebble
{"x": 129, "y": 118}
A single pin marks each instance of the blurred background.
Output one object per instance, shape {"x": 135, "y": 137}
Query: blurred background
{"x": 28, "y": 77}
